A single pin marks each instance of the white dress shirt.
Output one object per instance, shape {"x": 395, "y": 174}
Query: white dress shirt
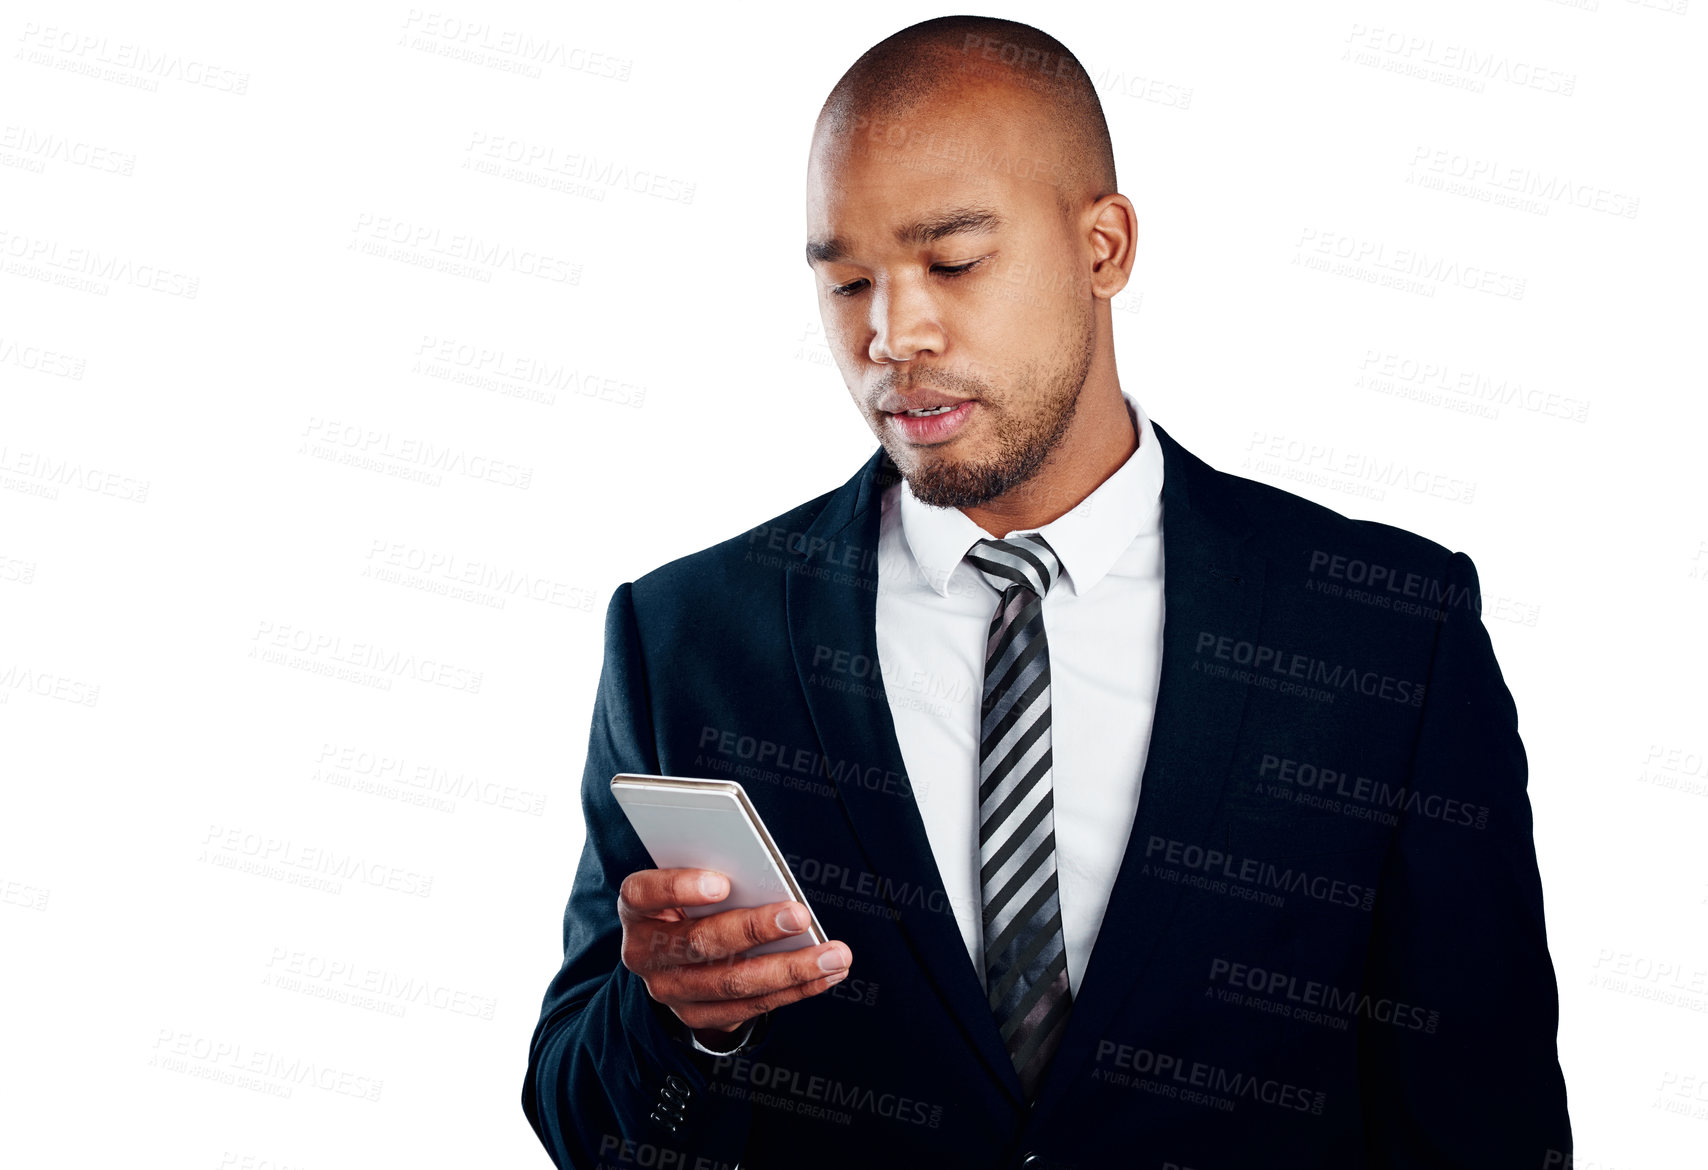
{"x": 1103, "y": 625}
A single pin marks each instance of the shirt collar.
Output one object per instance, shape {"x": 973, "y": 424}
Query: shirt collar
{"x": 1088, "y": 539}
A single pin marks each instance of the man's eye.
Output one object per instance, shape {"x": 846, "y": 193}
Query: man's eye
{"x": 949, "y": 270}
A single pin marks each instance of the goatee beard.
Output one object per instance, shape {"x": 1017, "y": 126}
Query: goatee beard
{"x": 1022, "y": 445}
{"x": 946, "y": 484}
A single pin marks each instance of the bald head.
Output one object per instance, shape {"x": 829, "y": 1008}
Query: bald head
{"x": 966, "y": 237}
{"x": 1004, "y": 68}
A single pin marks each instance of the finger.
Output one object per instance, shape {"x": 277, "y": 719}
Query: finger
{"x": 647, "y": 892}
{"x": 657, "y": 943}
{"x": 731, "y": 1013}
{"x": 730, "y": 933}
{"x": 760, "y": 975}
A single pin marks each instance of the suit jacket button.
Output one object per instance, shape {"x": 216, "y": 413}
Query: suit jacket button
{"x": 1031, "y": 1162}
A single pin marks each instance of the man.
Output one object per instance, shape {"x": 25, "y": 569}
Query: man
{"x": 1217, "y": 859}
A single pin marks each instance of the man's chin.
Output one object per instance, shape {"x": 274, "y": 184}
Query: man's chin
{"x": 945, "y": 483}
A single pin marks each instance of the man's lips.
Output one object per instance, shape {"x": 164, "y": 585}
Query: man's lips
{"x": 916, "y": 400}
{"x": 929, "y": 429}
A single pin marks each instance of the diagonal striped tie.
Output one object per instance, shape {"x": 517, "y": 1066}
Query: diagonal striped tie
{"x": 1025, "y": 957}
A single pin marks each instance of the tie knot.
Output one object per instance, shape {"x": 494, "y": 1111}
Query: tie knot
{"x": 1026, "y": 560}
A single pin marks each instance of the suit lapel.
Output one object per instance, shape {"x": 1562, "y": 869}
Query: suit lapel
{"x": 1212, "y": 583}
{"x": 832, "y": 592}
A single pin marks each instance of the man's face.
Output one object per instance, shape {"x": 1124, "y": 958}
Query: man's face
{"x": 950, "y": 281}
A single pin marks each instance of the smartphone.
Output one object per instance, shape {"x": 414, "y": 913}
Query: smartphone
{"x": 712, "y": 824}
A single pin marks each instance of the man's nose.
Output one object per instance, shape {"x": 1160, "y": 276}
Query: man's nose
{"x": 904, "y": 323}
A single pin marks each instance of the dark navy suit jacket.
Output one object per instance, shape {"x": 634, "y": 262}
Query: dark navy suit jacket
{"x": 1324, "y": 948}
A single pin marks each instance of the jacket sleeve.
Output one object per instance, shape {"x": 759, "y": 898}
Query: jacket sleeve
{"x": 1458, "y": 934}
{"x": 611, "y": 1074}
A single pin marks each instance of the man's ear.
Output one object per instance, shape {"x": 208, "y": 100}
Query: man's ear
{"x": 1111, "y": 231}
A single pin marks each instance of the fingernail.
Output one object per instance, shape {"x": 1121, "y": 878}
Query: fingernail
{"x": 712, "y": 885}
{"x": 834, "y": 960}
{"x": 790, "y": 920}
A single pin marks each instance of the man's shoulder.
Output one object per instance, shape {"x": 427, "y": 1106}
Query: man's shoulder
{"x": 743, "y": 571}
{"x": 1293, "y": 531}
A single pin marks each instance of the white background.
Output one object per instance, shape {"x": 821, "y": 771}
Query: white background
{"x": 206, "y": 502}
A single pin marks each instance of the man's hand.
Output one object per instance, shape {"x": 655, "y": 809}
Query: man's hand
{"x": 694, "y": 966}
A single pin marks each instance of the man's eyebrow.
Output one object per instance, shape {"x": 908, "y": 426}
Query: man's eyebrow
{"x": 941, "y": 225}
{"x": 825, "y": 251}
{"x": 951, "y": 222}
